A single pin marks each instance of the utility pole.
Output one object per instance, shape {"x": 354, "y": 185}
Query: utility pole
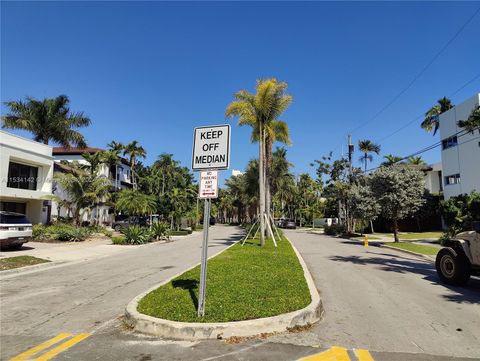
{"x": 350, "y": 154}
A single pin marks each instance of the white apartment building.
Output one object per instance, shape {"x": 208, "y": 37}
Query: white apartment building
{"x": 119, "y": 176}
{"x": 460, "y": 150}
{"x": 26, "y": 170}
{"x": 433, "y": 177}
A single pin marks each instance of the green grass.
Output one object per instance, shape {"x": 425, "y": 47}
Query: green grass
{"x": 244, "y": 282}
{"x": 19, "y": 261}
{"x": 418, "y": 248}
{"x": 415, "y": 235}
{"x": 362, "y": 238}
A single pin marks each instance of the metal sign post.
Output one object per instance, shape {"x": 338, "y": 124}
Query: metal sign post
{"x": 203, "y": 266}
{"x": 211, "y": 151}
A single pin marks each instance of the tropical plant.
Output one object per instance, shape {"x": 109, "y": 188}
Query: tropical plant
{"x": 460, "y": 211}
{"x": 367, "y": 146}
{"x": 431, "y": 116}
{"x": 391, "y": 159}
{"x": 135, "y": 203}
{"x": 398, "y": 191}
{"x": 472, "y": 122}
{"x": 48, "y": 120}
{"x": 83, "y": 191}
{"x": 134, "y": 234}
{"x": 134, "y": 151}
{"x": 416, "y": 161}
{"x": 160, "y": 230}
{"x": 260, "y": 111}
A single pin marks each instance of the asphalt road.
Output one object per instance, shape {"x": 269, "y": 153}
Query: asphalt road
{"x": 377, "y": 299}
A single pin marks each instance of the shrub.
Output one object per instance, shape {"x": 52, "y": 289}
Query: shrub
{"x": 135, "y": 234}
{"x": 334, "y": 229}
{"x": 40, "y": 232}
{"x": 72, "y": 234}
{"x": 182, "y": 232}
{"x": 118, "y": 240}
{"x": 160, "y": 230}
{"x": 459, "y": 212}
{"x": 444, "y": 238}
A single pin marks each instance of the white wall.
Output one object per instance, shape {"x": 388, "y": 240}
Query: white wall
{"x": 463, "y": 159}
{"x": 21, "y": 150}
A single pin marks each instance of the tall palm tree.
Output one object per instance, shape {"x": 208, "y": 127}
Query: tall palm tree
{"x": 472, "y": 122}
{"x": 134, "y": 152}
{"x": 48, "y": 120}
{"x": 115, "y": 148}
{"x": 258, "y": 111}
{"x": 391, "y": 159}
{"x": 431, "y": 116}
{"x": 166, "y": 165}
{"x": 367, "y": 146}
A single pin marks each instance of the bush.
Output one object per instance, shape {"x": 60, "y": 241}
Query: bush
{"x": 160, "y": 230}
{"x": 135, "y": 234}
{"x": 118, "y": 240}
{"x": 334, "y": 229}
{"x": 459, "y": 212}
{"x": 60, "y": 232}
{"x": 40, "y": 232}
{"x": 72, "y": 234}
{"x": 444, "y": 238}
{"x": 101, "y": 229}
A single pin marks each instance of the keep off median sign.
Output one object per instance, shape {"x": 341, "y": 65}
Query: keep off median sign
{"x": 211, "y": 152}
{"x": 208, "y": 185}
{"x": 211, "y": 147}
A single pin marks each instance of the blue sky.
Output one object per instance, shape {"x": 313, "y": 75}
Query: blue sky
{"x": 152, "y": 71}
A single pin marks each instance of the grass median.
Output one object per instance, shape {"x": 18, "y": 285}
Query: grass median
{"x": 19, "y": 261}
{"x": 244, "y": 282}
{"x": 417, "y": 248}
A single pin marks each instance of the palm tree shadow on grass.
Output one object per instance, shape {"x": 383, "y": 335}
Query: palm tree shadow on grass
{"x": 191, "y": 286}
{"x": 470, "y": 293}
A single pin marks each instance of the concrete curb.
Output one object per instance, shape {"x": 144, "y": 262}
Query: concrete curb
{"x": 197, "y": 331}
{"x": 424, "y": 256}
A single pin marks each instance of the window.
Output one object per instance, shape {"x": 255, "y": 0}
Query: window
{"x": 452, "y": 179}
{"x": 449, "y": 142}
{"x": 13, "y": 207}
{"x": 22, "y": 176}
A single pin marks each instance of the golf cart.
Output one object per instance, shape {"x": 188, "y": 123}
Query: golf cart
{"x": 460, "y": 258}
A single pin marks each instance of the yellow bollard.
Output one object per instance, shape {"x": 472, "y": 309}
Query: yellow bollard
{"x": 365, "y": 243}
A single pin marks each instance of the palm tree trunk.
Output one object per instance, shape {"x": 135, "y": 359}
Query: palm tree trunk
{"x": 365, "y": 162}
{"x": 261, "y": 181}
{"x": 268, "y": 174}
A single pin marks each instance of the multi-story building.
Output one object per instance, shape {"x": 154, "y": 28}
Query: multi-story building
{"x": 460, "y": 150}
{"x": 26, "y": 170}
{"x": 433, "y": 178}
{"x": 119, "y": 176}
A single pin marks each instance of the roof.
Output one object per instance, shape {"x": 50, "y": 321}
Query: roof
{"x": 75, "y": 150}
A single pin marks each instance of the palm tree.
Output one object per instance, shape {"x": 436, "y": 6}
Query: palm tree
{"x": 83, "y": 191}
{"x": 431, "y": 116}
{"x": 473, "y": 121}
{"x": 258, "y": 111}
{"x": 166, "y": 166}
{"x": 115, "y": 148}
{"x": 391, "y": 159}
{"x": 135, "y": 203}
{"x": 48, "y": 120}
{"x": 94, "y": 161}
{"x": 416, "y": 161}
{"x": 367, "y": 146}
{"x": 134, "y": 151}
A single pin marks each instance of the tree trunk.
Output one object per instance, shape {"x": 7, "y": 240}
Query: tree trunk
{"x": 395, "y": 230}
{"x": 365, "y": 163}
{"x": 268, "y": 175}
{"x": 261, "y": 184}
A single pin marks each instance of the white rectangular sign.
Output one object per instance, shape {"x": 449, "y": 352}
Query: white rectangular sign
{"x": 211, "y": 147}
{"x": 208, "y": 187}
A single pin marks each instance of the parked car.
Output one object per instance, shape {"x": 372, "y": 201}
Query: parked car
{"x": 15, "y": 230}
{"x": 124, "y": 221}
{"x": 287, "y": 223}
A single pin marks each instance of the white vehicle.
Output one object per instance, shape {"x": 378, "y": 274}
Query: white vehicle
{"x": 15, "y": 230}
{"x": 460, "y": 258}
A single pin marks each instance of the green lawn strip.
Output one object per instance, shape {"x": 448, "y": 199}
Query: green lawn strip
{"x": 414, "y": 235}
{"x": 362, "y": 238}
{"x": 244, "y": 282}
{"x": 19, "y": 261}
{"x": 418, "y": 248}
